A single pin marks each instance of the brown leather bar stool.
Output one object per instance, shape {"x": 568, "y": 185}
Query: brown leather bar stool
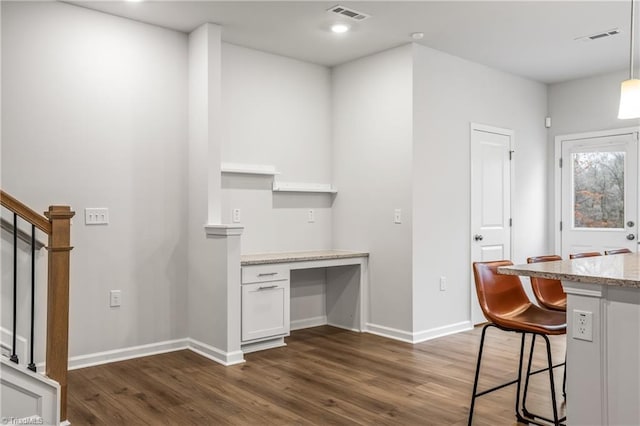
{"x": 507, "y": 307}
{"x": 548, "y": 292}
{"x": 550, "y": 295}
{"x": 617, "y": 251}
{"x": 585, "y": 254}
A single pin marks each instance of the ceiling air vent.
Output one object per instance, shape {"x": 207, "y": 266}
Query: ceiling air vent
{"x": 349, "y": 13}
{"x": 597, "y": 36}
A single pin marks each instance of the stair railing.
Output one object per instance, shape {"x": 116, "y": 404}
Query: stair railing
{"x": 56, "y": 223}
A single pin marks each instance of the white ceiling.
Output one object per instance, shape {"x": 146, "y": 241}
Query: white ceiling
{"x": 533, "y": 39}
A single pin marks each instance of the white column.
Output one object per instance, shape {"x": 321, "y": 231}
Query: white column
{"x": 214, "y": 249}
{"x": 205, "y": 121}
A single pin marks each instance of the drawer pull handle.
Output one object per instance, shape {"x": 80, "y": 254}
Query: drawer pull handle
{"x": 268, "y": 287}
{"x": 267, "y": 274}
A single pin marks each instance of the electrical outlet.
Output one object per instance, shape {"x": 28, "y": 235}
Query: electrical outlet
{"x": 115, "y": 298}
{"x": 583, "y": 325}
{"x": 236, "y": 216}
{"x": 443, "y": 283}
{"x": 311, "y": 216}
{"x": 397, "y": 216}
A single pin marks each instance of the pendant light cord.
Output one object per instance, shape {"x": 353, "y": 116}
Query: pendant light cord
{"x": 633, "y": 16}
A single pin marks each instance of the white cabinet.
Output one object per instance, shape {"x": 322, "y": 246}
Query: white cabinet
{"x": 265, "y": 302}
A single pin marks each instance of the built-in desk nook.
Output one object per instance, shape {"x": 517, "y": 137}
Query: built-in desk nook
{"x": 266, "y": 284}
{"x": 603, "y": 365}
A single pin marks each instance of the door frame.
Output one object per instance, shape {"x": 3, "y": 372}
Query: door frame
{"x": 557, "y": 172}
{"x": 500, "y": 131}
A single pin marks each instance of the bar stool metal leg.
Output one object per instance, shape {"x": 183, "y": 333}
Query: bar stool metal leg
{"x": 475, "y": 381}
{"x": 495, "y": 388}
{"x": 519, "y": 416}
{"x": 526, "y": 412}
{"x": 529, "y": 416}
{"x": 556, "y": 420}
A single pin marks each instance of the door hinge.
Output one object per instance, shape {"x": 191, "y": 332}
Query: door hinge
{"x": 560, "y": 226}
{"x": 511, "y": 155}
{"x": 560, "y": 162}
{"x": 510, "y": 222}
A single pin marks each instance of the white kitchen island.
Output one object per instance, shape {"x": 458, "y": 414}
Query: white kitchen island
{"x": 603, "y": 374}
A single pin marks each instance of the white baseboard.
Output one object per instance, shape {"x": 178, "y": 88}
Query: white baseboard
{"x": 423, "y": 336}
{"x": 420, "y": 336}
{"x": 391, "y": 333}
{"x": 308, "y": 322}
{"x": 115, "y": 355}
{"x": 237, "y": 357}
{"x": 344, "y": 328}
{"x": 215, "y": 354}
{"x": 123, "y": 354}
{"x": 247, "y": 348}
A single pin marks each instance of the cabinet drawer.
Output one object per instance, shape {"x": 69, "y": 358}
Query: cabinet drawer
{"x": 265, "y": 310}
{"x": 264, "y": 273}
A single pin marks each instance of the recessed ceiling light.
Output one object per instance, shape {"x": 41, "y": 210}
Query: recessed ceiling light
{"x": 417, "y": 36}
{"x": 340, "y": 28}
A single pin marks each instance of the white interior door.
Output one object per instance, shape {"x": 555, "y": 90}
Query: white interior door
{"x": 599, "y": 193}
{"x": 491, "y": 150}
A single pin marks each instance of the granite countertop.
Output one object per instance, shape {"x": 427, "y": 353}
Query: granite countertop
{"x": 298, "y": 256}
{"x": 619, "y": 270}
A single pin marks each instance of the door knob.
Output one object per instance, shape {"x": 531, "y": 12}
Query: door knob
{"x": 631, "y": 237}
{"x": 479, "y": 237}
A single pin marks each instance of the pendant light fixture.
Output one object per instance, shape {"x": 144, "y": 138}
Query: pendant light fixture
{"x": 630, "y": 89}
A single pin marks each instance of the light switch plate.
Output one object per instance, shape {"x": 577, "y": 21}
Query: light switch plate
{"x": 96, "y": 216}
{"x": 397, "y": 216}
{"x": 236, "y": 218}
{"x": 115, "y": 298}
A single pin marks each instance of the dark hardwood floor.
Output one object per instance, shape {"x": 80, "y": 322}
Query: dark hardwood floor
{"x": 325, "y": 376}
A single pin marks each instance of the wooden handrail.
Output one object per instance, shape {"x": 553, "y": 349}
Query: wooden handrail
{"x": 57, "y": 225}
{"x": 25, "y": 212}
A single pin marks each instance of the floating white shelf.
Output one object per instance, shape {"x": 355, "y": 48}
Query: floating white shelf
{"x": 248, "y": 169}
{"x": 303, "y": 187}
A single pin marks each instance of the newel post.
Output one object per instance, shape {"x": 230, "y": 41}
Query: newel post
{"x": 59, "y": 248}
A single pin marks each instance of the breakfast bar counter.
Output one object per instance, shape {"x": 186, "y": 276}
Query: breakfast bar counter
{"x": 603, "y": 335}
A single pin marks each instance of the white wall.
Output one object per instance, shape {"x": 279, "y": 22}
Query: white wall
{"x": 276, "y": 112}
{"x": 107, "y": 98}
{"x": 94, "y": 114}
{"x": 579, "y": 106}
{"x": 449, "y": 94}
{"x": 586, "y": 105}
{"x": 372, "y": 150}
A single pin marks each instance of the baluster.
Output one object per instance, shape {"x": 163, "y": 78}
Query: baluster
{"x": 32, "y": 365}
{"x": 14, "y": 357}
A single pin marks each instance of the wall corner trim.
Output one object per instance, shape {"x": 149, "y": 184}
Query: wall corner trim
{"x": 432, "y": 333}
{"x": 223, "y": 230}
{"x": 215, "y": 354}
{"x": 419, "y": 336}
{"x": 391, "y": 333}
